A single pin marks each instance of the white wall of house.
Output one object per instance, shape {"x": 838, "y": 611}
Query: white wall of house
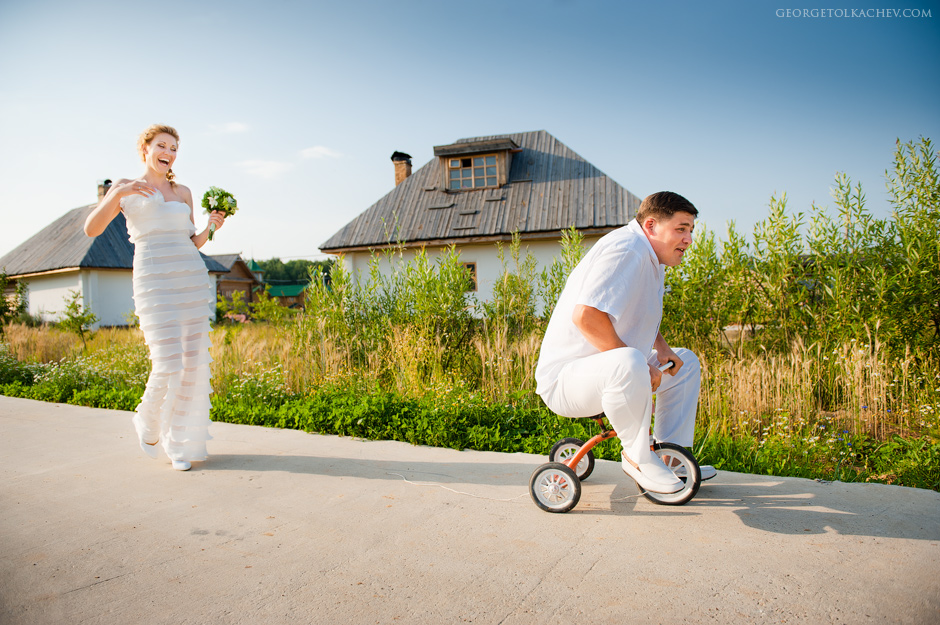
{"x": 109, "y": 293}
{"x": 46, "y": 293}
{"x": 488, "y": 265}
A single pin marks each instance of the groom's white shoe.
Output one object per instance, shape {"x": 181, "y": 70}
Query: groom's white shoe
{"x": 707, "y": 471}
{"x": 652, "y": 475}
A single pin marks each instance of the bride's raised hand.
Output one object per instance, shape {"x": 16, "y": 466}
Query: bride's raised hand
{"x": 112, "y": 204}
{"x": 135, "y": 187}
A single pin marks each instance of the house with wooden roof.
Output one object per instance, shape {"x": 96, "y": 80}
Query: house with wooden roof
{"x": 479, "y": 191}
{"x": 240, "y": 275}
{"x": 61, "y": 258}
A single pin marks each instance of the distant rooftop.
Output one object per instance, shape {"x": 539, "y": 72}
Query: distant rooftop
{"x": 63, "y": 245}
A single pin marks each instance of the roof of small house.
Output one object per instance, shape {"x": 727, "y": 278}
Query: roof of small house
{"x": 229, "y": 262}
{"x": 549, "y": 188}
{"x": 286, "y": 290}
{"x": 226, "y": 260}
{"x": 63, "y": 244}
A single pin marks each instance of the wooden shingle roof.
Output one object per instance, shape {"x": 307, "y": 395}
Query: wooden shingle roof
{"x": 63, "y": 244}
{"x": 227, "y": 261}
{"x": 550, "y": 188}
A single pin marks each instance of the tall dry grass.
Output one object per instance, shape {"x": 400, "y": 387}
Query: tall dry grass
{"x": 507, "y": 366}
{"x": 48, "y": 343}
{"x": 861, "y": 386}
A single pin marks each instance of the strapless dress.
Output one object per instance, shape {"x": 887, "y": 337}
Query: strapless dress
{"x": 173, "y": 297}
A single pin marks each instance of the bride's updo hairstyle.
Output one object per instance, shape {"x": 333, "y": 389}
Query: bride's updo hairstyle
{"x": 147, "y": 136}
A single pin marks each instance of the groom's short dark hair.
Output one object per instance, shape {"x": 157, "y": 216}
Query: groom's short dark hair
{"x": 663, "y": 205}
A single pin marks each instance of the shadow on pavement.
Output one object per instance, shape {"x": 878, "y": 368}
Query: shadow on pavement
{"x": 798, "y": 506}
{"x": 464, "y": 478}
{"x": 782, "y": 506}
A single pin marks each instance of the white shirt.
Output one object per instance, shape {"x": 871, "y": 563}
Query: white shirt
{"x": 620, "y": 276}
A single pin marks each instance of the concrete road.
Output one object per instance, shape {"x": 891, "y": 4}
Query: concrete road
{"x": 282, "y": 526}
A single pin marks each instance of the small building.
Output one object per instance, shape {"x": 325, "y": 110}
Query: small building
{"x": 256, "y": 270}
{"x": 289, "y": 295}
{"x": 479, "y": 191}
{"x": 61, "y": 258}
{"x": 240, "y": 275}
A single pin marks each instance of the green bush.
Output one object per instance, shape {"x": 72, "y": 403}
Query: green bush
{"x": 111, "y": 398}
{"x": 12, "y": 370}
{"x": 13, "y": 308}
{"x": 459, "y": 421}
{"x": 824, "y": 281}
{"x": 913, "y": 462}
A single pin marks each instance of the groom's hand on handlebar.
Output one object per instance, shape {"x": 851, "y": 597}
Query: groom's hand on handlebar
{"x": 656, "y": 377}
{"x": 669, "y": 357}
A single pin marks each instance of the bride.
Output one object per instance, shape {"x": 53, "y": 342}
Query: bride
{"x": 172, "y": 296}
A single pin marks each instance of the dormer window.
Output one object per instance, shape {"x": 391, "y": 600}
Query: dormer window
{"x": 479, "y": 164}
{"x": 472, "y": 172}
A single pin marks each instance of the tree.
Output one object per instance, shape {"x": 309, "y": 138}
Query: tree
{"x": 914, "y": 189}
{"x": 295, "y": 271}
{"x": 11, "y": 308}
{"x": 75, "y": 318}
{"x": 267, "y": 308}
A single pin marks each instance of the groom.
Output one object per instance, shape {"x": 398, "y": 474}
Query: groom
{"x": 602, "y": 347}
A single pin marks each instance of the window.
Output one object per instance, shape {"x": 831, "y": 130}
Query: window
{"x": 472, "y": 172}
{"x": 472, "y": 271}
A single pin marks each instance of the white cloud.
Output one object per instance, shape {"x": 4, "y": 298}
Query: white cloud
{"x": 265, "y": 169}
{"x": 229, "y": 128}
{"x": 320, "y": 151}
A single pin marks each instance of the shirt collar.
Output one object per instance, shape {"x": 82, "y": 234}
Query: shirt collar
{"x": 635, "y": 226}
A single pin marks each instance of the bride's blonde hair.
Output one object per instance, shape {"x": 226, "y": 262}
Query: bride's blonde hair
{"x": 147, "y": 136}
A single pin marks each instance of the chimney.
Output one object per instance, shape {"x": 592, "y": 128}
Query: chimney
{"x": 402, "y": 166}
{"x": 103, "y": 186}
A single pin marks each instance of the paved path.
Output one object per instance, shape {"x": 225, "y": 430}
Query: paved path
{"x": 287, "y": 527}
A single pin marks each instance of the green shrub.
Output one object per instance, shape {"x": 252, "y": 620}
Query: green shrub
{"x": 269, "y": 309}
{"x": 12, "y": 370}
{"x": 11, "y": 308}
{"x": 111, "y": 398}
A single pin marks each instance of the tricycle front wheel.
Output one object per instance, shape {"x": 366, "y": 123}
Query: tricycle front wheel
{"x": 554, "y": 487}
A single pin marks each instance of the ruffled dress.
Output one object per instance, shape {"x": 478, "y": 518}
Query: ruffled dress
{"x": 173, "y": 297}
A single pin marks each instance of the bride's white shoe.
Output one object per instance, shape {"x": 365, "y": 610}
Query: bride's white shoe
{"x": 182, "y": 465}
{"x": 149, "y": 448}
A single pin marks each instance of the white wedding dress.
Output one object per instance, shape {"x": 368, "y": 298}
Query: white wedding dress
{"x": 173, "y": 298}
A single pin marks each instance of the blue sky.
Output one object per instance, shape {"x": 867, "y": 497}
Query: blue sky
{"x": 295, "y": 107}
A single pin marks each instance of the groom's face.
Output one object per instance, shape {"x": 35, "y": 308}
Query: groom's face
{"x": 671, "y": 237}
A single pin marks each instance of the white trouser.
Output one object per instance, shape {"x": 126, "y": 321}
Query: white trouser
{"x": 617, "y": 383}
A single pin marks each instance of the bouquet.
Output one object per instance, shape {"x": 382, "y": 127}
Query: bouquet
{"x": 217, "y": 199}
